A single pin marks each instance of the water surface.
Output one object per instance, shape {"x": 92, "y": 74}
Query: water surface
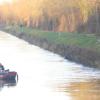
{"x": 44, "y": 75}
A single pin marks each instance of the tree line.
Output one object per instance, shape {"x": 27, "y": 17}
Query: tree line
{"x": 53, "y": 15}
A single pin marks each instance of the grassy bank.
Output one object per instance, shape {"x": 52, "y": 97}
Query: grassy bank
{"x": 80, "y": 48}
{"x": 74, "y": 39}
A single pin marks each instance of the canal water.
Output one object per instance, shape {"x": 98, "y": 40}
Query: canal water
{"x": 44, "y": 75}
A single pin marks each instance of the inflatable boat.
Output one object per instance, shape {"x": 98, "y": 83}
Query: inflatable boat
{"x": 7, "y": 75}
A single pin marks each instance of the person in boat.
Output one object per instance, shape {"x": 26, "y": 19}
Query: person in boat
{"x": 1, "y": 67}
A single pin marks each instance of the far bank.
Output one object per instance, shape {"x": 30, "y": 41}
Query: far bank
{"x": 80, "y": 48}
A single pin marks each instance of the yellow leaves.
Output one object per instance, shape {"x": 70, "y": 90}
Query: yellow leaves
{"x": 68, "y": 13}
{"x": 62, "y": 26}
{"x": 85, "y": 8}
{"x": 34, "y": 8}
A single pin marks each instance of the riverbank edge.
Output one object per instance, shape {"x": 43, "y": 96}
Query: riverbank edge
{"x": 83, "y": 56}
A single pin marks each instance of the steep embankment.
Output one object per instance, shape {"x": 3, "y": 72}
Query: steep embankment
{"x": 79, "y": 54}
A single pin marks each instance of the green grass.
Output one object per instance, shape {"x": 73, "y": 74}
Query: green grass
{"x": 81, "y": 40}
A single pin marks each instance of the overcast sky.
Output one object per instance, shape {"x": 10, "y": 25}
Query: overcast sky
{"x": 3, "y": 1}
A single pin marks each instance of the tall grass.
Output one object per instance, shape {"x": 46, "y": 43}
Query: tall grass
{"x": 81, "y": 40}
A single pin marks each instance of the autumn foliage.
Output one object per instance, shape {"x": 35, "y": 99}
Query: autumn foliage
{"x": 53, "y": 15}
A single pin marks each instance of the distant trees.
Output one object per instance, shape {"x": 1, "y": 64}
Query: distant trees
{"x": 53, "y": 15}
{"x": 92, "y": 24}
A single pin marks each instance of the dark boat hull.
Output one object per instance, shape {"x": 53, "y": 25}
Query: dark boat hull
{"x": 8, "y": 76}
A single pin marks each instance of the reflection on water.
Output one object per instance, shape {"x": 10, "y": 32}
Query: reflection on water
{"x": 10, "y": 83}
{"x": 86, "y": 90}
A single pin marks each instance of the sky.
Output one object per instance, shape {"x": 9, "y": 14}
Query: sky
{"x": 3, "y": 1}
